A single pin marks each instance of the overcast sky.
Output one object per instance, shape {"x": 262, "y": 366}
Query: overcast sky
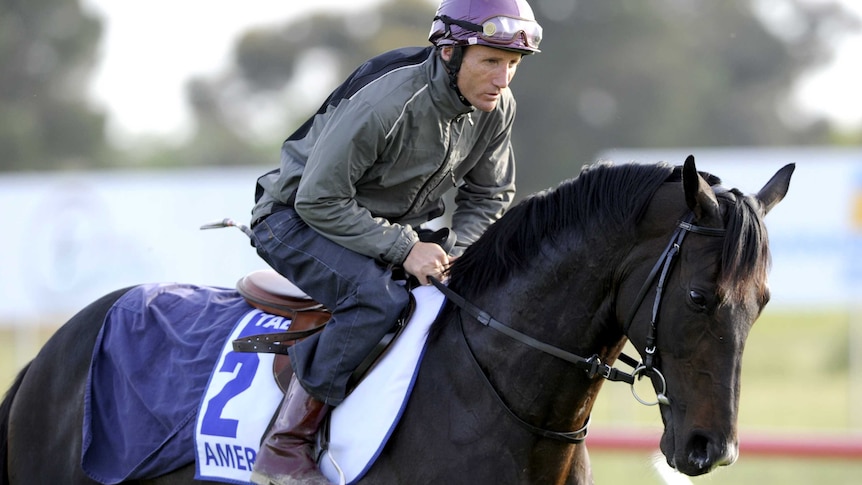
{"x": 136, "y": 29}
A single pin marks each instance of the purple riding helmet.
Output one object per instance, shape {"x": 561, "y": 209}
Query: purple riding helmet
{"x": 504, "y": 24}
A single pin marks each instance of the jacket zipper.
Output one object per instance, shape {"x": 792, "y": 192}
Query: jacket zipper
{"x": 445, "y": 165}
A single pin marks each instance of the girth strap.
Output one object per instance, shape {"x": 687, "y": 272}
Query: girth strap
{"x": 305, "y": 323}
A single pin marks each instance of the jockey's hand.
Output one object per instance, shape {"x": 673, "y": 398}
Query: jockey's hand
{"x": 426, "y": 259}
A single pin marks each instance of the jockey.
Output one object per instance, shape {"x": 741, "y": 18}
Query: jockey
{"x": 361, "y": 176}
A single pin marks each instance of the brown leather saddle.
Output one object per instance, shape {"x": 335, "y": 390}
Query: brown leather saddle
{"x": 272, "y": 293}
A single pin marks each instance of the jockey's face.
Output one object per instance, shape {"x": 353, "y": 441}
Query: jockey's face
{"x": 485, "y": 73}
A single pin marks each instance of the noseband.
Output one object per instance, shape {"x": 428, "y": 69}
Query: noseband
{"x": 593, "y": 365}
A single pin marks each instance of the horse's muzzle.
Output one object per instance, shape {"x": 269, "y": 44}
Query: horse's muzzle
{"x": 702, "y": 453}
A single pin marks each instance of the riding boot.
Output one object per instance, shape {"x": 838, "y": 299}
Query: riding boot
{"x": 287, "y": 455}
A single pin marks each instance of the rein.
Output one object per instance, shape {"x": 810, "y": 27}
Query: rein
{"x": 593, "y": 366}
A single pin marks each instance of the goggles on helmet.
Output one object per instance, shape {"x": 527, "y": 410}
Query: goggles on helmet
{"x": 500, "y": 29}
{"x": 503, "y": 30}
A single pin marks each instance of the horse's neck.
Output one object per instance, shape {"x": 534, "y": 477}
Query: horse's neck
{"x": 456, "y": 407}
{"x": 474, "y": 421}
{"x": 568, "y": 301}
{"x": 571, "y": 310}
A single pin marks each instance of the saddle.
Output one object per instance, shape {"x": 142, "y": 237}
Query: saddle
{"x": 272, "y": 293}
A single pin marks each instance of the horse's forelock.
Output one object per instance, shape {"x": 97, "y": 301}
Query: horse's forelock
{"x": 745, "y": 255}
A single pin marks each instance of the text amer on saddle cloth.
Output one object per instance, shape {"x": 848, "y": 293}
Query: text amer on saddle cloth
{"x": 237, "y": 405}
{"x": 242, "y": 397}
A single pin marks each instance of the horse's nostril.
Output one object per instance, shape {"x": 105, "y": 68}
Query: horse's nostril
{"x": 705, "y": 453}
{"x": 699, "y": 452}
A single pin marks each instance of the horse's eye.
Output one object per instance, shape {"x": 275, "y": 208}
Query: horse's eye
{"x": 697, "y": 298}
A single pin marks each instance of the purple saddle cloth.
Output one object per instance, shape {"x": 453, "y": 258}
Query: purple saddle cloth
{"x": 152, "y": 359}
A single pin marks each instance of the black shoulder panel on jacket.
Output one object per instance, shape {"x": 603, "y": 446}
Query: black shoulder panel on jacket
{"x": 372, "y": 69}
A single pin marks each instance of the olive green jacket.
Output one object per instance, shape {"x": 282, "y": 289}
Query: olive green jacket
{"x": 373, "y": 163}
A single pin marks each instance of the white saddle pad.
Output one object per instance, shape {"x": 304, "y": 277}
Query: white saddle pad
{"x": 362, "y": 424}
{"x": 237, "y": 405}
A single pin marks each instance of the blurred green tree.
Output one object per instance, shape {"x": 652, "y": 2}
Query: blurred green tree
{"x": 613, "y": 73}
{"x": 665, "y": 73}
{"x": 656, "y": 73}
{"x": 47, "y": 48}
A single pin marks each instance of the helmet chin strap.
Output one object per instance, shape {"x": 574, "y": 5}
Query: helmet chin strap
{"x": 453, "y": 66}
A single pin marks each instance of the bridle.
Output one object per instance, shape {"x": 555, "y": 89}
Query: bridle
{"x": 663, "y": 264}
{"x": 593, "y": 366}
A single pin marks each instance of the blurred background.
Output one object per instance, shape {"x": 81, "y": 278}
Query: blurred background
{"x": 126, "y": 125}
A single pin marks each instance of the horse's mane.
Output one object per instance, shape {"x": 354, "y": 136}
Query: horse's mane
{"x": 603, "y": 194}
{"x": 608, "y": 196}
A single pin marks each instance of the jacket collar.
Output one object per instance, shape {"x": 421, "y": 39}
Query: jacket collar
{"x": 446, "y": 99}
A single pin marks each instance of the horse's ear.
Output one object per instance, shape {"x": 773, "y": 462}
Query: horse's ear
{"x": 775, "y": 190}
{"x": 699, "y": 195}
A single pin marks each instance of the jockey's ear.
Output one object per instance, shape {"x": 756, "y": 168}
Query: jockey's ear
{"x": 446, "y": 53}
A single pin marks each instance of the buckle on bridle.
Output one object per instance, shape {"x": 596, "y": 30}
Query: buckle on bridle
{"x": 597, "y": 368}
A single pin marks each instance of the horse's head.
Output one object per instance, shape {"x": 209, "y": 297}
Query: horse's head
{"x": 691, "y": 318}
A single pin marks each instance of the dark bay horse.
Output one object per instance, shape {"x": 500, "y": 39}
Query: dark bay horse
{"x": 543, "y": 303}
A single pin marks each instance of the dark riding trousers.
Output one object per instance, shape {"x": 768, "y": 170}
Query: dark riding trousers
{"x": 364, "y": 299}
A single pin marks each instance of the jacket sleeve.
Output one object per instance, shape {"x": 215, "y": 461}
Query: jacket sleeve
{"x": 487, "y": 191}
{"x": 325, "y": 199}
